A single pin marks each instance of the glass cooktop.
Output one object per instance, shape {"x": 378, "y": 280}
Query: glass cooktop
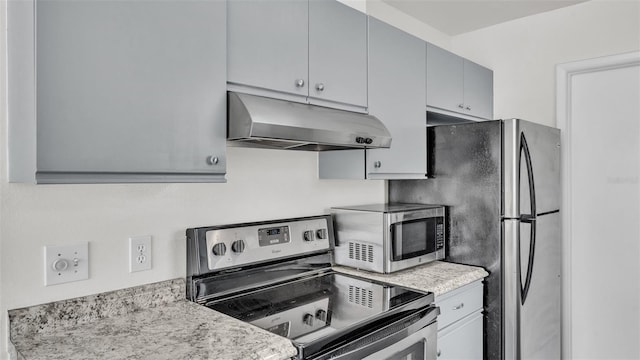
{"x": 308, "y": 309}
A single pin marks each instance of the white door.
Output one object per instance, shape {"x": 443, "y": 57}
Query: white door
{"x": 599, "y": 113}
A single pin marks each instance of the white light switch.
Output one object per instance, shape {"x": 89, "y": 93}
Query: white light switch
{"x": 67, "y": 263}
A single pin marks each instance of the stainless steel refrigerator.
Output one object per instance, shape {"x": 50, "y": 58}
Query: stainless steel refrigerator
{"x": 501, "y": 182}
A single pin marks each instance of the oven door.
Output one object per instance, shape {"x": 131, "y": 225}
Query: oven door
{"x": 419, "y": 346}
{"x": 415, "y": 342}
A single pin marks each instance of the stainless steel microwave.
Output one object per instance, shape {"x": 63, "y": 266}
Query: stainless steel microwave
{"x": 388, "y": 237}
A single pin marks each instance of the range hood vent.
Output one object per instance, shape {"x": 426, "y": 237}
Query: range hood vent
{"x": 257, "y": 121}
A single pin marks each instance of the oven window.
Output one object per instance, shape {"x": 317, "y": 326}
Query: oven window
{"x": 413, "y": 238}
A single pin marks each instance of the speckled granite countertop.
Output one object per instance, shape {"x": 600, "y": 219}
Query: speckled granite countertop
{"x": 146, "y": 322}
{"x": 155, "y": 322}
{"x": 439, "y": 277}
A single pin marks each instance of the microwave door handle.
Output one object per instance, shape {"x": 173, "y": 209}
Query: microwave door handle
{"x": 396, "y": 242}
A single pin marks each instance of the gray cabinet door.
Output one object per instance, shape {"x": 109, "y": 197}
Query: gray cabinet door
{"x": 444, "y": 79}
{"x": 337, "y": 53}
{"x": 397, "y": 97}
{"x": 130, "y": 87}
{"x": 462, "y": 340}
{"x": 133, "y": 87}
{"x": 268, "y": 44}
{"x": 478, "y": 90}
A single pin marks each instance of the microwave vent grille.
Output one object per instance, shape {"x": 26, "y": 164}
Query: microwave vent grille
{"x": 360, "y": 296}
{"x": 361, "y": 252}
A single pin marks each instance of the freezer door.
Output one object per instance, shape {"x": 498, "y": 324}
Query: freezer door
{"x": 532, "y": 288}
{"x": 531, "y": 168}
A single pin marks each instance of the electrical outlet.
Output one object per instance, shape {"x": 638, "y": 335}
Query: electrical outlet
{"x": 64, "y": 264}
{"x": 139, "y": 253}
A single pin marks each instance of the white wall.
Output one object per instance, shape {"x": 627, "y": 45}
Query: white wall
{"x": 523, "y": 53}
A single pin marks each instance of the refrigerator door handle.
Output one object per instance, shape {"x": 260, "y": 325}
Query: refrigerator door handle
{"x": 524, "y": 148}
{"x": 530, "y": 219}
{"x": 524, "y": 289}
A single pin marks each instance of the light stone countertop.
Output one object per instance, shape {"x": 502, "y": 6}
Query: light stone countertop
{"x": 155, "y": 321}
{"x": 148, "y": 322}
{"x": 439, "y": 277}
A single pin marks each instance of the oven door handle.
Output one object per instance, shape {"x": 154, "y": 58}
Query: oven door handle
{"x": 419, "y": 342}
{"x": 423, "y": 330}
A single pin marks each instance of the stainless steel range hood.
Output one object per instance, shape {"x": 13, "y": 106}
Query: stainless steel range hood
{"x": 269, "y": 123}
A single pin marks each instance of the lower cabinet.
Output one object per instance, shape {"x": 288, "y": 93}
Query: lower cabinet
{"x": 460, "y": 324}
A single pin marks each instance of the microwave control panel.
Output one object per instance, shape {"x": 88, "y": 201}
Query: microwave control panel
{"x": 439, "y": 234}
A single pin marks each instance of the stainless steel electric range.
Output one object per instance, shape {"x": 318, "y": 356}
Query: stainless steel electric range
{"x": 277, "y": 275}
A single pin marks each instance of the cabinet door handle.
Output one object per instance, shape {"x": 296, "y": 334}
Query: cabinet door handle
{"x": 461, "y": 106}
{"x": 212, "y": 160}
{"x": 468, "y": 108}
{"x": 377, "y": 164}
{"x": 438, "y": 353}
{"x": 320, "y": 87}
{"x": 458, "y": 307}
{"x": 300, "y": 83}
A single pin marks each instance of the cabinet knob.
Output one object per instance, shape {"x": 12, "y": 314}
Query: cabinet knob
{"x": 461, "y": 106}
{"x": 458, "y": 307}
{"x": 438, "y": 353}
{"x": 213, "y": 160}
{"x": 468, "y": 107}
{"x": 377, "y": 164}
{"x": 300, "y": 83}
{"x": 320, "y": 87}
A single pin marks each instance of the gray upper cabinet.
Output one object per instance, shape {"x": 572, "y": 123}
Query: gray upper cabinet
{"x": 337, "y": 53}
{"x": 444, "y": 79}
{"x": 478, "y": 90}
{"x": 124, "y": 91}
{"x": 458, "y": 85}
{"x": 308, "y": 51}
{"x": 396, "y": 97}
{"x": 267, "y": 45}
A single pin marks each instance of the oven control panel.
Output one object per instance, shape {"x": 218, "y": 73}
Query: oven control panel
{"x": 244, "y": 245}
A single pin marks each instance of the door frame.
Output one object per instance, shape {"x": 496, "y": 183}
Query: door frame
{"x": 564, "y": 75}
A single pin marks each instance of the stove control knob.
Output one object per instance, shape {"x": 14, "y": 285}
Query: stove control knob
{"x": 237, "y": 246}
{"x": 308, "y": 235}
{"x": 219, "y": 249}
{"x": 308, "y": 319}
{"x": 321, "y": 234}
{"x": 321, "y": 315}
